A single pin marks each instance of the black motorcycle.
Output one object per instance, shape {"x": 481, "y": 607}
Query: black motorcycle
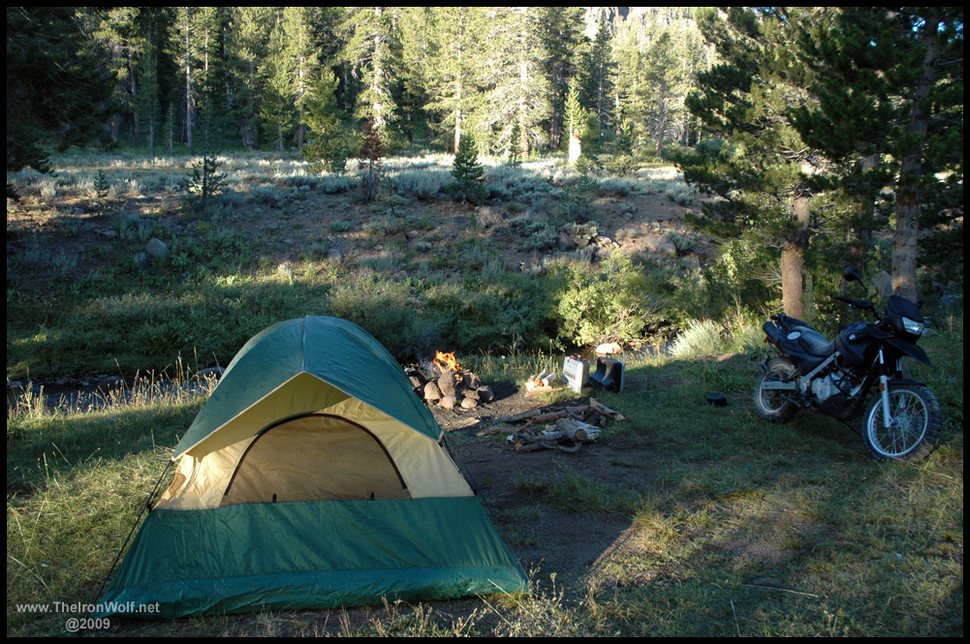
{"x": 902, "y": 421}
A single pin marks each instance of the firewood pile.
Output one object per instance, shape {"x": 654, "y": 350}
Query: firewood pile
{"x": 450, "y": 386}
{"x": 565, "y": 426}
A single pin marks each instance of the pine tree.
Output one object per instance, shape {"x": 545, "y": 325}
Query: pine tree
{"x": 327, "y": 146}
{"x": 204, "y": 183}
{"x": 277, "y": 110}
{"x": 209, "y": 26}
{"x": 246, "y": 48}
{"x": 452, "y": 89}
{"x": 181, "y": 34}
{"x": 46, "y": 48}
{"x": 596, "y": 70}
{"x": 118, "y": 32}
{"x": 149, "y": 103}
{"x": 302, "y": 62}
{"x": 576, "y": 116}
{"x": 370, "y": 49}
{"x": 560, "y": 29}
{"x": 664, "y": 82}
{"x": 515, "y": 154}
{"x": 889, "y": 94}
{"x": 763, "y": 193}
{"x": 372, "y": 153}
{"x": 468, "y": 172}
{"x": 417, "y": 49}
{"x": 516, "y": 89}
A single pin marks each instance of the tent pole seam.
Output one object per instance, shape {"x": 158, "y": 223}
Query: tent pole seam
{"x": 147, "y": 505}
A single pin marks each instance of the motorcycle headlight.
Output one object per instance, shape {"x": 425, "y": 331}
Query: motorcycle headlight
{"x": 913, "y": 327}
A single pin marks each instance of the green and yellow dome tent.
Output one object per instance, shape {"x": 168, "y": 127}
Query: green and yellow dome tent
{"x": 313, "y": 477}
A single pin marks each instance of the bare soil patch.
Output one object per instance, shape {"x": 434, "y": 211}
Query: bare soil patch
{"x": 562, "y": 539}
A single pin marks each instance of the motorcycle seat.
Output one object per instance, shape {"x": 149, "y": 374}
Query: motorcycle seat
{"x": 813, "y": 342}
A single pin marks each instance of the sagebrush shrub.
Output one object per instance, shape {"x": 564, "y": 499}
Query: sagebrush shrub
{"x": 611, "y": 302}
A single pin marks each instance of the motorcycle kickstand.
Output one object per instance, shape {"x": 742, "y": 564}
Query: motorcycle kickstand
{"x": 853, "y": 428}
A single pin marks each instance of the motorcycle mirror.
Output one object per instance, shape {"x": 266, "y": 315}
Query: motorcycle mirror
{"x": 851, "y": 274}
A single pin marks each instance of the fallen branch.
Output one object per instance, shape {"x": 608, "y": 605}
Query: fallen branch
{"x": 517, "y": 417}
{"x": 603, "y": 409}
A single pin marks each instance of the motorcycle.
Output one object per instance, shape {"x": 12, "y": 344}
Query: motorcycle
{"x": 902, "y": 422}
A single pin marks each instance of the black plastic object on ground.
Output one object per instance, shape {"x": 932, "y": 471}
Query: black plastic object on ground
{"x": 608, "y": 374}
{"x": 717, "y": 400}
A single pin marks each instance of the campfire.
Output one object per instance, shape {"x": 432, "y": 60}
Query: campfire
{"x": 449, "y": 385}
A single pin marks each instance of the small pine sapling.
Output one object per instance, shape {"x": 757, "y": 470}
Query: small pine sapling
{"x": 468, "y": 172}
{"x": 101, "y": 190}
{"x": 372, "y": 153}
{"x": 204, "y": 182}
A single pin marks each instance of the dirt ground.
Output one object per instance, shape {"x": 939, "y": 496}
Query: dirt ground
{"x": 573, "y": 545}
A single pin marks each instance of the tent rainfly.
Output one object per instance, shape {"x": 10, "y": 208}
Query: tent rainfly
{"x": 313, "y": 477}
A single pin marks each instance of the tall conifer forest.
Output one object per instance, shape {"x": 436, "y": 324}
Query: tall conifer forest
{"x": 796, "y": 122}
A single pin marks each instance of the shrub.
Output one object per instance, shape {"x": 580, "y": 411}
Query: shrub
{"x": 609, "y": 303}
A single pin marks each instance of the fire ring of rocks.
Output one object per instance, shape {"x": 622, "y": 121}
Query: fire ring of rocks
{"x": 450, "y": 386}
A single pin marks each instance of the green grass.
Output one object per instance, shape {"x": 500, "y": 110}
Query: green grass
{"x": 747, "y": 529}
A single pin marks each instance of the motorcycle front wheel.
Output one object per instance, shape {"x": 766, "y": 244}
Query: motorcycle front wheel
{"x": 916, "y": 424}
{"x": 771, "y": 404}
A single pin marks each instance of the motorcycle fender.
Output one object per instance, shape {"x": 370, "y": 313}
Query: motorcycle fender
{"x": 911, "y": 350}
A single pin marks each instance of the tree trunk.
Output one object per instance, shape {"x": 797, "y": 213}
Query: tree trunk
{"x": 910, "y": 170}
{"x": 792, "y": 283}
{"x": 135, "y": 131}
{"x": 523, "y": 109}
{"x": 188, "y": 88}
{"x": 793, "y": 263}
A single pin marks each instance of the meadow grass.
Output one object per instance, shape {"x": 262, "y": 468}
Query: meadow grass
{"x": 749, "y": 529}
{"x": 746, "y": 529}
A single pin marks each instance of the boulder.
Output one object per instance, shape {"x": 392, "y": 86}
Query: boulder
{"x": 156, "y": 248}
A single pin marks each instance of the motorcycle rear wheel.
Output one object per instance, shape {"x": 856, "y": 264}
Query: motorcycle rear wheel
{"x": 917, "y": 421}
{"x": 771, "y": 404}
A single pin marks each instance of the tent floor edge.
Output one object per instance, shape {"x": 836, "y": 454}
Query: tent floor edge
{"x": 319, "y": 554}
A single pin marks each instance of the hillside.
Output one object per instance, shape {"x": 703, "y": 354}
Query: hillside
{"x": 275, "y": 221}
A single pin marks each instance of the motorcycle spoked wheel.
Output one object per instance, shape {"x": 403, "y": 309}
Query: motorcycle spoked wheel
{"x": 915, "y": 428}
{"x": 771, "y": 404}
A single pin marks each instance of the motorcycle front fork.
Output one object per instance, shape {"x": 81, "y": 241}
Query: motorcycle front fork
{"x": 887, "y": 420}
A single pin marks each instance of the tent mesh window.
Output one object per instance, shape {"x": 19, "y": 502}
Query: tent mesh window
{"x": 318, "y": 457}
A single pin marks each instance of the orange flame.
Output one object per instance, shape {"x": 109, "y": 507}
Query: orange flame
{"x": 446, "y": 361}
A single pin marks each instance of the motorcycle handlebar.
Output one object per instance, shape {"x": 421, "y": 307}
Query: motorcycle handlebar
{"x": 859, "y": 304}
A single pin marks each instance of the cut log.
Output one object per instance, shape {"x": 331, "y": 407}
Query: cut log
{"x": 577, "y": 431}
{"x": 603, "y": 409}
{"x": 517, "y": 417}
{"x": 545, "y": 418}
